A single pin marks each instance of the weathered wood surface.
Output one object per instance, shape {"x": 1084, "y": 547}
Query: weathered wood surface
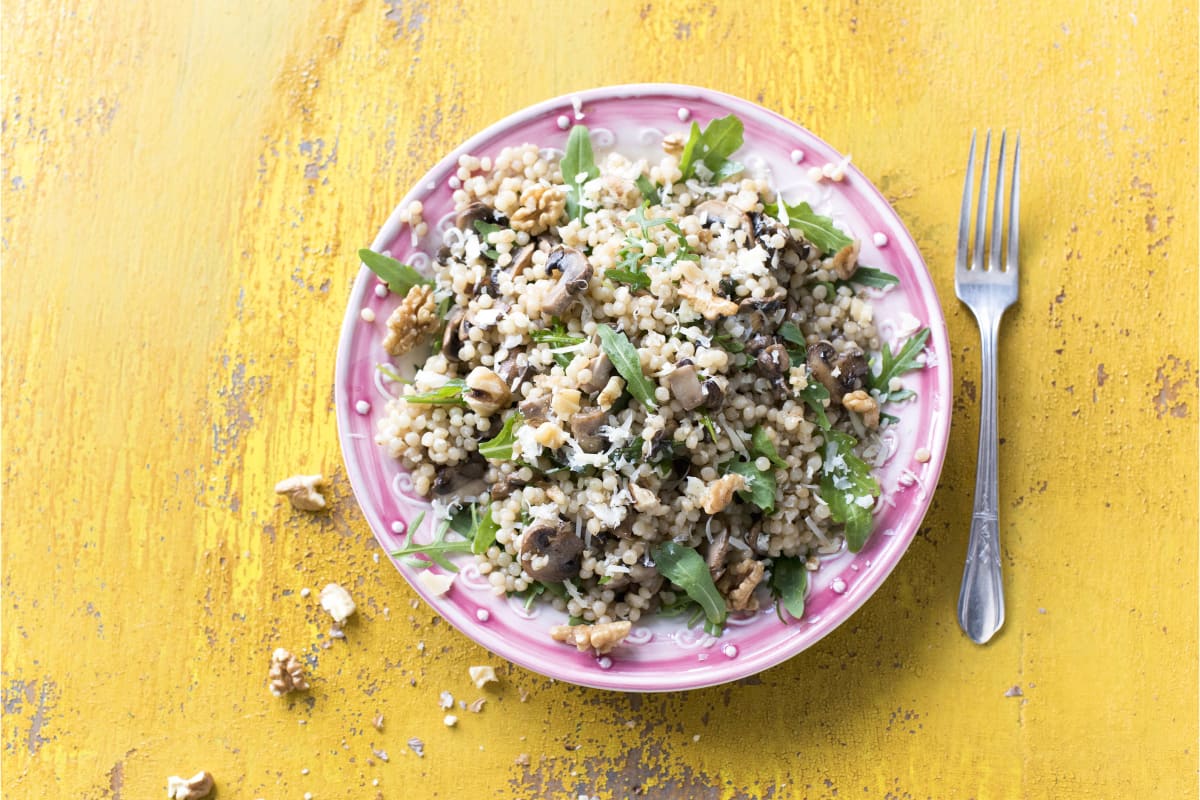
{"x": 183, "y": 188}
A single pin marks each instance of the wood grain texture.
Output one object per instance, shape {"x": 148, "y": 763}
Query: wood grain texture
{"x": 183, "y": 188}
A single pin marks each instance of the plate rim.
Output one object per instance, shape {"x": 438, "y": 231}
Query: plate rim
{"x": 734, "y": 669}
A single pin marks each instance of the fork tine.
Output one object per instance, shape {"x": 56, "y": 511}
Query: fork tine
{"x": 981, "y": 206}
{"x": 964, "y": 218}
{"x": 1014, "y": 207}
{"x": 997, "y": 207}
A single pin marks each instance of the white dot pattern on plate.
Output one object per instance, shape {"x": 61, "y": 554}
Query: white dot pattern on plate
{"x": 838, "y": 585}
{"x": 605, "y": 662}
{"x": 730, "y": 651}
{"x": 362, "y": 407}
{"x": 381, "y": 290}
{"x": 797, "y": 156}
{"x": 563, "y": 122}
{"x": 880, "y": 239}
{"x": 684, "y": 114}
{"x": 482, "y": 614}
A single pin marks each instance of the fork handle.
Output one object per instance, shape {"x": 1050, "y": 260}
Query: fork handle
{"x": 981, "y": 599}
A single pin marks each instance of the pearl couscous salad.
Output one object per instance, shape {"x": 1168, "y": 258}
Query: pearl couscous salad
{"x": 653, "y": 385}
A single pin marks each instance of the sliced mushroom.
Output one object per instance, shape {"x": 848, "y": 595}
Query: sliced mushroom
{"x": 763, "y": 305}
{"x": 820, "y": 366}
{"x": 773, "y": 362}
{"x": 585, "y": 427}
{"x": 573, "y": 281}
{"x": 464, "y": 479}
{"x": 714, "y": 394}
{"x": 718, "y": 212}
{"x": 685, "y": 386}
{"x": 535, "y": 409}
{"x": 852, "y": 371}
{"x": 550, "y": 551}
{"x": 477, "y": 212}
{"x": 515, "y": 370}
{"x": 451, "y": 340}
{"x": 523, "y": 259}
{"x": 765, "y": 229}
{"x": 504, "y": 487}
{"x": 486, "y": 392}
{"x": 602, "y": 369}
{"x": 718, "y": 549}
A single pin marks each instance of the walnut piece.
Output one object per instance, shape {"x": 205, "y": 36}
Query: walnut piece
{"x": 413, "y": 321}
{"x": 673, "y": 144}
{"x": 482, "y": 676}
{"x": 540, "y": 207}
{"x": 739, "y": 582}
{"x": 198, "y": 786}
{"x": 337, "y": 602}
{"x": 720, "y": 492}
{"x": 287, "y": 673}
{"x": 862, "y": 403}
{"x": 705, "y": 303}
{"x": 601, "y": 637}
{"x": 845, "y": 262}
{"x": 301, "y": 491}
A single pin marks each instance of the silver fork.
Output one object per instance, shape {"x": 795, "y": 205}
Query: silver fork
{"x": 987, "y": 288}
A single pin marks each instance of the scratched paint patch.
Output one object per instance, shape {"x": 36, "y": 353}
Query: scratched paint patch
{"x": 1174, "y": 381}
{"x": 28, "y": 707}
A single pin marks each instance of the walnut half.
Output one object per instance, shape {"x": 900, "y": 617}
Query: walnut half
{"x": 720, "y": 492}
{"x": 601, "y": 637}
{"x": 197, "y": 787}
{"x": 413, "y": 321}
{"x": 739, "y": 582}
{"x": 862, "y": 403}
{"x": 287, "y": 673}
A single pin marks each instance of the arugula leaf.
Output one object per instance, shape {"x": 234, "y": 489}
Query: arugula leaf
{"x": 636, "y": 279}
{"x": 814, "y": 396}
{"x": 684, "y": 567}
{"x": 483, "y": 229}
{"x": 760, "y": 485}
{"x": 557, "y": 337}
{"x": 818, "y": 230}
{"x": 727, "y": 343}
{"x": 399, "y": 277}
{"x": 761, "y": 445}
{"x": 578, "y": 161}
{"x": 484, "y": 534}
{"x": 434, "y": 552}
{"x": 449, "y": 394}
{"x": 624, "y": 357}
{"x": 845, "y": 480}
{"x": 499, "y": 447}
{"x": 869, "y": 276}
{"x": 789, "y": 583}
{"x": 648, "y": 189}
{"x": 789, "y": 332}
{"x": 712, "y": 147}
{"x": 894, "y": 365}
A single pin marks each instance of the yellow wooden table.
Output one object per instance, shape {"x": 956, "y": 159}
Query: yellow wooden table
{"x": 184, "y": 187}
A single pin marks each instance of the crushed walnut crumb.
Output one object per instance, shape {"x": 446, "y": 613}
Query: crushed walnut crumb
{"x": 301, "y": 491}
{"x": 197, "y": 787}
{"x": 286, "y": 674}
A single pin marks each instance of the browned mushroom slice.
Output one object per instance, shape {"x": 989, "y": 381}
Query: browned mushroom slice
{"x": 535, "y": 409}
{"x": 685, "y": 386}
{"x": 504, "y": 487}
{"x": 718, "y": 549}
{"x": 464, "y": 479}
{"x": 718, "y": 212}
{"x": 515, "y": 370}
{"x": 766, "y": 230}
{"x": 585, "y": 427}
{"x": 602, "y": 370}
{"x": 573, "y": 280}
{"x": 820, "y": 366}
{"x": 550, "y": 551}
{"x": 523, "y": 259}
{"x": 852, "y": 371}
{"x": 451, "y": 340}
{"x": 773, "y": 362}
{"x": 714, "y": 394}
{"x": 476, "y": 212}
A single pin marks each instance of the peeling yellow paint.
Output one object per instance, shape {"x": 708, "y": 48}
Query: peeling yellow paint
{"x": 182, "y": 189}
